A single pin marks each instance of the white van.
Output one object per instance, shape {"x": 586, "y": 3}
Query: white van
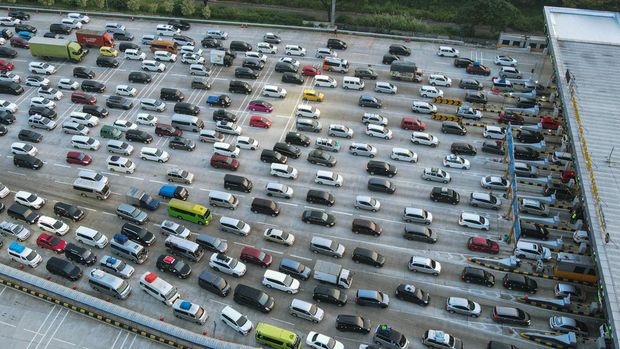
{"x": 280, "y": 281}
{"x": 167, "y": 30}
{"x": 90, "y": 237}
{"x": 532, "y": 250}
{"x": 120, "y": 164}
{"x": 187, "y": 122}
{"x": 24, "y": 255}
{"x": 84, "y": 119}
{"x": 85, "y": 142}
{"x": 150, "y": 65}
{"x": 189, "y": 311}
{"x": 154, "y": 154}
{"x": 336, "y": 64}
{"x": 282, "y": 170}
{"x": 199, "y": 70}
{"x": 226, "y": 149}
{"x": 135, "y": 54}
{"x": 159, "y": 288}
{"x": 324, "y": 81}
{"x": 294, "y": 50}
{"x": 223, "y": 199}
{"x": 352, "y": 83}
{"x": 184, "y": 248}
{"x": 446, "y": 51}
{"x": 109, "y": 284}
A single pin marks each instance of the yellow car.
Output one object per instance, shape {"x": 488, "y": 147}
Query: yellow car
{"x": 108, "y": 51}
{"x": 313, "y": 95}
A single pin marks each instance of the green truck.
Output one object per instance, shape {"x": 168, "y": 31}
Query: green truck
{"x": 50, "y": 48}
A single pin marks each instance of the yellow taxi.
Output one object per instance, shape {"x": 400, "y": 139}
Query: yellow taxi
{"x": 108, "y": 51}
{"x": 313, "y": 95}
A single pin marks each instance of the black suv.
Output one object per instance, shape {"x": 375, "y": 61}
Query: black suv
{"x": 211, "y": 43}
{"x": 221, "y": 114}
{"x": 297, "y": 138}
{"x": 213, "y": 283}
{"x": 381, "y": 185}
{"x": 460, "y": 148}
{"x": 139, "y": 76}
{"x": 478, "y": 276}
{"x": 174, "y": 266}
{"x": 181, "y": 143}
{"x": 365, "y": 73}
{"x": 369, "y": 101}
{"x": 65, "y": 210}
{"x": 461, "y": 62}
{"x": 476, "y": 97}
{"x": 330, "y": 295}
{"x": 381, "y": 168}
{"x": 95, "y": 110}
{"x": 21, "y": 15}
{"x": 271, "y": 156}
{"x": 525, "y": 153}
{"x": 370, "y": 257}
{"x": 80, "y": 254}
{"x": 399, "y": 49}
{"x": 25, "y": 28}
{"x": 319, "y": 157}
{"x": 534, "y": 231}
{"x": 138, "y": 136}
{"x": 138, "y": 234}
{"x": 470, "y": 84}
{"x": 119, "y": 102}
{"x": 61, "y": 267}
{"x": 107, "y": 62}
{"x": 83, "y": 73}
{"x": 7, "y": 118}
{"x": 336, "y": 44}
{"x": 520, "y": 282}
{"x": 92, "y": 86}
{"x": 320, "y": 197}
{"x": 529, "y": 136}
{"x": 292, "y": 78}
{"x": 43, "y": 111}
{"x": 29, "y": 136}
{"x": 445, "y": 195}
{"x": 389, "y": 58}
{"x": 365, "y": 227}
{"x": 180, "y": 24}
{"x": 319, "y": 218}
{"x": 352, "y": 323}
{"x": 287, "y": 149}
{"x": 245, "y": 73}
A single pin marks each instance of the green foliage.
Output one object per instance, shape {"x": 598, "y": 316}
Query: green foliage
{"x": 149, "y": 7}
{"x": 10, "y": 1}
{"x": 386, "y": 23}
{"x": 497, "y": 14}
{"x": 45, "y": 2}
{"x": 206, "y": 12}
{"x": 133, "y": 5}
{"x": 98, "y": 4}
{"x": 258, "y": 15}
{"x": 187, "y": 7}
{"x": 165, "y": 7}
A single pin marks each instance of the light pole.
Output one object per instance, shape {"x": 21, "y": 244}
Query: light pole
{"x": 333, "y": 16}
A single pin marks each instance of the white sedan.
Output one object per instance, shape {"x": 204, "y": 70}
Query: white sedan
{"x": 125, "y": 90}
{"x": 472, "y": 220}
{"x": 456, "y": 161}
{"x": 291, "y": 60}
{"x": 125, "y": 125}
{"x": 244, "y": 142}
{"x": 12, "y": 77}
{"x": 29, "y": 199}
{"x": 192, "y": 58}
{"x": 7, "y": 106}
{"x": 37, "y": 81}
{"x": 50, "y": 93}
{"x": 53, "y": 225}
{"x": 42, "y": 102}
{"x": 146, "y": 119}
{"x": 68, "y": 84}
{"x": 378, "y": 131}
{"x": 505, "y": 61}
{"x": 430, "y": 91}
{"x": 494, "y": 182}
{"x": 494, "y": 132}
{"x": 320, "y": 341}
{"x": 279, "y": 236}
{"x": 9, "y": 21}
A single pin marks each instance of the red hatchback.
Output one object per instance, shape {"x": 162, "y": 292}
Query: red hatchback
{"x": 19, "y": 42}
{"x": 309, "y": 70}
{"x": 6, "y": 66}
{"x": 481, "y": 244}
{"x": 412, "y": 124}
{"x": 549, "y": 123}
{"x": 83, "y": 98}
{"x": 51, "y": 242}
{"x": 255, "y": 256}
{"x": 260, "y": 121}
{"x": 510, "y": 118}
{"x": 77, "y": 157}
{"x": 225, "y": 162}
{"x": 262, "y": 106}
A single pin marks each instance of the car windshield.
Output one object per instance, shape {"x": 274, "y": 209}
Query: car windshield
{"x": 331, "y": 343}
{"x": 31, "y": 198}
{"x": 263, "y": 299}
{"x": 241, "y": 321}
{"x": 179, "y": 265}
{"x": 233, "y": 263}
{"x": 57, "y": 225}
{"x": 288, "y": 280}
{"x": 31, "y": 256}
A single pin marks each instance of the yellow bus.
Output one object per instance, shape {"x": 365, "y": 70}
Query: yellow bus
{"x": 189, "y": 211}
{"x": 276, "y": 337}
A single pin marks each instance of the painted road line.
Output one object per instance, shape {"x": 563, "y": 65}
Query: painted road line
{"x": 138, "y": 178}
{"x": 242, "y": 244}
{"x": 90, "y": 209}
{"x": 108, "y": 213}
{"x": 115, "y": 193}
{"x": 156, "y": 181}
{"x": 61, "y": 182}
{"x": 314, "y": 208}
{"x": 7, "y": 324}
{"x": 272, "y": 251}
{"x": 57, "y": 328}
{"x": 62, "y": 165}
{"x": 284, "y": 322}
{"x": 344, "y": 213}
{"x": 15, "y": 173}
{"x": 110, "y": 173}
{"x": 218, "y": 302}
{"x": 300, "y": 257}
{"x": 287, "y": 203}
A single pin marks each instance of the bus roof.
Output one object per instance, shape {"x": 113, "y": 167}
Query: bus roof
{"x": 188, "y": 206}
{"x": 403, "y": 66}
{"x": 272, "y": 331}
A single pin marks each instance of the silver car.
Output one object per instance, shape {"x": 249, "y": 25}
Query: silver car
{"x": 417, "y": 215}
{"x": 534, "y": 207}
{"x": 436, "y": 175}
{"x": 131, "y": 213}
{"x": 485, "y": 200}
{"x": 306, "y": 310}
{"x": 462, "y": 306}
{"x": 279, "y": 190}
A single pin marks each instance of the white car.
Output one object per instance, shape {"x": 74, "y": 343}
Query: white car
{"x": 152, "y": 104}
{"x": 505, "y": 61}
{"x": 280, "y": 281}
{"x": 236, "y": 320}
{"x": 190, "y": 49}
{"x": 24, "y": 148}
{"x": 424, "y": 139}
{"x": 265, "y": 47}
{"x": 257, "y": 55}
{"x": 494, "y": 183}
{"x": 494, "y": 132}
{"x": 125, "y": 90}
{"x": 80, "y": 17}
{"x": 385, "y": 87}
{"x": 472, "y": 220}
{"x": 172, "y": 228}
{"x": 463, "y": 306}
{"x": 125, "y": 125}
{"x": 228, "y": 127}
{"x": 368, "y": 203}
{"x": 192, "y": 58}
{"x": 29, "y": 199}
{"x": 133, "y": 54}
{"x": 436, "y": 175}
{"x": 4, "y": 191}
{"x": 374, "y": 119}
{"x": 323, "y": 52}
{"x": 72, "y": 23}
{"x": 328, "y": 178}
{"x": 279, "y": 236}
{"x": 378, "y": 131}
{"x": 307, "y": 111}
{"x": 294, "y": 50}
{"x": 320, "y": 341}
{"x": 8, "y": 106}
{"x": 338, "y": 130}
{"x": 165, "y": 56}
{"x": 37, "y": 81}
{"x": 42, "y": 102}
{"x": 41, "y": 68}
{"x": 455, "y": 161}
{"x": 53, "y": 225}
{"x": 467, "y": 112}
{"x": 227, "y": 265}
{"x": 146, "y": 119}
{"x": 2, "y": 41}
{"x": 439, "y": 80}
{"x": 291, "y": 60}
{"x": 154, "y": 154}
{"x": 403, "y": 154}
{"x": 10, "y": 76}
{"x": 423, "y": 107}
{"x": 244, "y": 142}
{"x": 9, "y": 21}
{"x": 282, "y": 170}
{"x": 154, "y": 66}
{"x": 68, "y": 84}
{"x": 430, "y": 91}
{"x": 49, "y": 92}
{"x": 274, "y": 91}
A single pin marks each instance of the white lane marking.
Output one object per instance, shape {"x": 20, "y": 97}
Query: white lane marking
{"x": 61, "y": 182}
{"x": 314, "y": 208}
{"x": 40, "y": 327}
{"x": 57, "y": 328}
{"x": 203, "y": 189}
{"x": 110, "y": 173}
{"x": 156, "y": 181}
{"x": 242, "y": 244}
{"x": 15, "y": 173}
{"x": 117, "y": 337}
{"x": 62, "y": 165}
{"x": 133, "y": 340}
{"x": 44, "y": 334}
{"x": 344, "y": 213}
{"x": 272, "y": 251}
{"x": 218, "y": 302}
{"x": 125, "y": 340}
{"x": 287, "y": 203}
{"x": 137, "y": 178}
{"x": 7, "y": 324}
{"x": 282, "y": 321}
{"x": 108, "y": 213}
{"x": 300, "y": 257}
{"x": 90, "y": 209}
{"x": 115, "y": 193}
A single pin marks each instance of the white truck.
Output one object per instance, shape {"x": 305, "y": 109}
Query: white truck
{"x": 221, "y": 58}
{"x": 332, "y": 273}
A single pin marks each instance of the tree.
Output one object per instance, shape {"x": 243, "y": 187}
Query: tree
{"x": 11, "y": 1}
{"x": 495, "y": 13}
{"x": 133, "y": 5}
{"x": 327, "y": 5}
{"x": 187, "y": 7}
{"x": 165, "y": 7}
{"x": 98, "y": 4}
{"x": 206, "y": 12}
{"x": 46, "y": 2}
{"x": 80, "y": 3}
{"x": 149, "y": 7}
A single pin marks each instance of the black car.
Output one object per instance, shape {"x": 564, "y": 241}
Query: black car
{"x": 25, "y": 28}
{"x": 245, "y": 73}
{"x": 411, "y": 293}
{"x": 381, "y": 185}
{"x": 65, "y": 210}
{"x": 287, "y": 149}
{"x": 43, "y": 111}
{"x": 399, "y": 49}
{"x": 525, "y": 153}
{"x": 3, "y": 130}
{"x": 61, "y": 267}
{"x": 292, "y": 78}
{"x": 374, "y": 298}
{"x": 138, "y": 234}
{"x": 470, "y": 84}
{"x": 510, "y": 315}
{"x": 125, "y": 36}
{"x": 51, "y": 35}
{"x": 29, "y": 136}
{"x": 272, "y": 156}
{"x": 366, "y": 73}
{"x": 460, "y": 148}
{"x": 6, "y": 33}
{"x": 6, "y": 117}
{"x": 366, "y": 256}
{"x": 445, "y": 195}
{"x": 124, "y": 46}
{"x": 319, "y": 218}
{"x": 561, "y": 191}
{"x": 180, "y": 24}
{"x": 212, "y": 243}
{"x": 476, "y": 97}
{"x": 381, "y": 168}
{"x": 80, "y": 254}
{"x": 214, "y": 283}
{"x": 95, "y": 110}
{"x": 352, "y": 323}
{"x": 83, "y": 73}
{"x": 520, "y": 282}
{"x": 336, "y": 44}
{"x": 7, "y": 52}
{"x": 138, "y": 136}
{"x": 182, "y": 143}
{"x": 369, "y": 101}
{"x": 389, "y": 58}
{"x": 92, "y": 86}
{"x": 320, "y": 197}
{"x": 526, "y": 103}
{"x": 319, "y": 157}
{"x": 119, "y": 102}
{"x": 211, "y": 43}
{"x": 534, "y": 231}
{"x": 297, "y": 138}
{"x": 478, "y": 276}
{"x": 174, "y": 266}
{"x": 461, "y": 62}
{"x": 329, "y": 295}
{"x": 107, "y": 62}
{"x": 529, "y": 136}
{"x": 493, "y": 147}
{"x": 295, "y": 269}
{"x": 141, "y": 77}
{"x": 21, "y": 15}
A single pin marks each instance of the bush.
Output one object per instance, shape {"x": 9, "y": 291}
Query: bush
{"x": 97, "y": 4}
{"x": 187, "y": 7}
{"x": 133, "y": 5}
{"x": 258, "y": 16}
{"x": 165, "y": 7}
{"x": 206, "y": 12}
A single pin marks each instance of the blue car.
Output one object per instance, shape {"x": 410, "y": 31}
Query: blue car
{"x": 25, "y": 35}
{"x": 173, "y": 191}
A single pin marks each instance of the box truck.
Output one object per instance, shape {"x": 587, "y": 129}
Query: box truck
{"x": 332, "y": 273}
{"x": 94, "y": 38}
{"x": 50, "y": 48}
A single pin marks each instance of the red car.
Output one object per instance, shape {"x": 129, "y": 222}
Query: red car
{"x": 51, "y": 242}
{"x": 225, "y": 162}
{"x": 6, "y": 66}
{"x": 309, "y": 70}
{"x": 77, "y": 157}
{"x": 83, "y": 98}
{"x": 260, "y": 121}
{"x": 478, "y": 69}
{"x": 255, "y": 256}
{"x": 510, "y": 118}
{"x": 482, "y": 244}
{"x": 19, "y": 42}
{"x": 549, "y": 123}
{"x": 412, "y": 124}
{"x": 262, "y": 106}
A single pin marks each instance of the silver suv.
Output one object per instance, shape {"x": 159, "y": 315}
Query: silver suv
{"x": 363, "y": 149}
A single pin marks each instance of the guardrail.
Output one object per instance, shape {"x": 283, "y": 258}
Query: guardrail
{"x": 264, "y": 25}
{"x": 109, "y": 313}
